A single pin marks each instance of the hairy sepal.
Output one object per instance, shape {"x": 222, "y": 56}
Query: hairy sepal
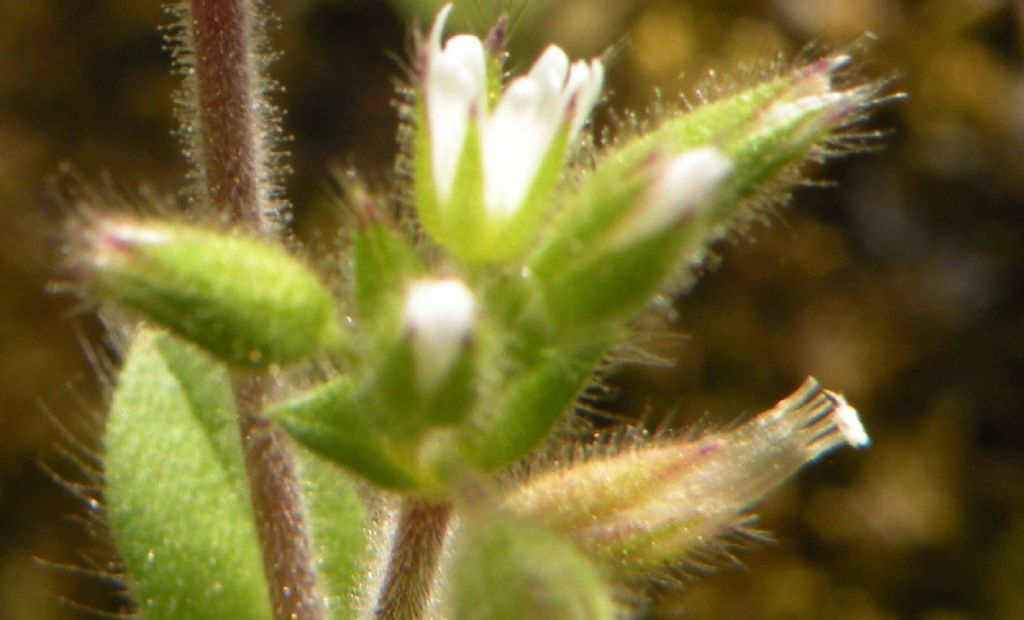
{"x": 248, "y": 302}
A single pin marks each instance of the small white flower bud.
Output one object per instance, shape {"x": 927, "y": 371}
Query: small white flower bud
{"x": 682, "y": 188}
{"x": 439, "y": 316}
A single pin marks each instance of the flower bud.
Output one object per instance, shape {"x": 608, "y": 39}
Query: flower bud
{"x": 636, "y": 224}
{"x": 682, "y": 188}
{"x": 795, "y": 126}
{"x": 246, "y": 301}
{"x": 653, "y": 505}
{"x": 439, "y": 317}
{"x": 612, "y": 262}
{"x": 427, "y": 376}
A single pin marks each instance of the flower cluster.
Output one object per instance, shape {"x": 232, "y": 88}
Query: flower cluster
{"x": 448, "y": 358}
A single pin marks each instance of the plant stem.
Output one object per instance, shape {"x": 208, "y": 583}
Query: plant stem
{"x": 232, "y": 156}
{"x": 422, "y": 526}
{"x": 280, "y": 511}
{"x": 233, "y": 161}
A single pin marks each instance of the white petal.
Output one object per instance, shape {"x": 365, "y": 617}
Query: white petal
{"x": 514, "y": 143}
{"x": 550, "y": 73}
{"x": 685, "y": 186}
{"x": 440, "y": 316}
{"x": 550, "y": 70}
{"x": 848, "y": 421}
{"x": 790, "y": 111}
{"x": 455, "y": 88}
{"x": 585, "y": 84}
{"x": 520, "y": 131}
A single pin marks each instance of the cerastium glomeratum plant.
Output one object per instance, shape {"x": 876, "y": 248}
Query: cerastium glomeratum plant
{"x": 401, "y": 443}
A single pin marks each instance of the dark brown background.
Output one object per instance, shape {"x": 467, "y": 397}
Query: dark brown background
{"x": 902, "y": 286}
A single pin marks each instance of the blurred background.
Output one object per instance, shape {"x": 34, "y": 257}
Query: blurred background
{"x": 901, "y": 285}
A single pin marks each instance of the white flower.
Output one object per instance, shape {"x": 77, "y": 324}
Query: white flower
{"x": 518, "y": 133}
{"x": 439, "y": 316}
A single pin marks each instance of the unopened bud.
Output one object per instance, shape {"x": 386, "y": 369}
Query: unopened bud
{"x": 682, "y": 188}
{"x": 248, "y": 302}
{"x": 426, "y": 377}
{"x": 653, "y": 505}
{"x": 439, "y": 316}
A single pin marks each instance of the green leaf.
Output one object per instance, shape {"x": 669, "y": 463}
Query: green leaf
{"x": 175, "y": 495}
{"x": 338, "y": 524}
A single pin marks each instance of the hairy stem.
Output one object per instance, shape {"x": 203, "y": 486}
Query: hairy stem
{"x": 233, "y": 159}
{"x": 280, "y": 511}
{"x": 422, "y": 527}
{"x": 232, "y": 155}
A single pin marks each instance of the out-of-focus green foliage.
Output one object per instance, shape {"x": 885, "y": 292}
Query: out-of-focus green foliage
{"x": 901, "y": 287}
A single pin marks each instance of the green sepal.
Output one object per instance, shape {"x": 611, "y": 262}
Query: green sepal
{"x": 176, "y": 493}
{"x": 464, "y": 217}
{"x": 705, "y": 124}
{"x": 506, "y": 569}
{"x": 496, "y": 57}
{"x": 330, "y": 421}
{"x": 761, "y": 156}
{"x": 534, "y": 403}
{"x": 593, "y": 210}
{"x": 614, "y": 285}
{"x": 504, "y": 239}
{"x": 248, "y": 302}
{"x": 424, "y": 188}
{"x": 384, "y": 262}
{"x": 403, "y": 407}
{"x": 338, "y": 526}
